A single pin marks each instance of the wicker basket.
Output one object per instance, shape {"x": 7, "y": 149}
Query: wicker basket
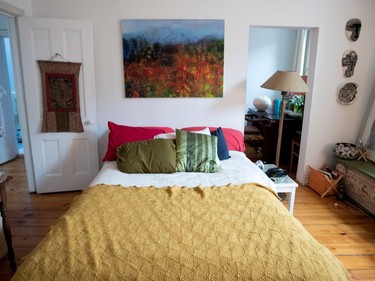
{"x": 322, "y": 184}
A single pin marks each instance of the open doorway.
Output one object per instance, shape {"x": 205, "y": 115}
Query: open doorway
{"x": 11, "y": 144}
{"x": 272, "y": 49}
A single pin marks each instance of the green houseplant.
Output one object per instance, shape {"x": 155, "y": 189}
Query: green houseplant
{"x": 298, "y": 102}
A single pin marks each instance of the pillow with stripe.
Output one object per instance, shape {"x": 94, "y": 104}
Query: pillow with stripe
{"x": 196, "y": 152}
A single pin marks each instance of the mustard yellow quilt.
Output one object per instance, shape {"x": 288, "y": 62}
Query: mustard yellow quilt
{"x": 221, "y": 233}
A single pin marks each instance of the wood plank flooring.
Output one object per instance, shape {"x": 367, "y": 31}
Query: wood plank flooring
{"x": 342, "y": 228}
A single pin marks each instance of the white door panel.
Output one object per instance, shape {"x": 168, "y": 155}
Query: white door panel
{"x": 62, "y": 161}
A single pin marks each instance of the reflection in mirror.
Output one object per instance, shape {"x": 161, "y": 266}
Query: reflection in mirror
{"x": 272, "y": 49}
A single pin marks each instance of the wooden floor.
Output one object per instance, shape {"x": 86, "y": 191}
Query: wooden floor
{"x": 346, "y": 231}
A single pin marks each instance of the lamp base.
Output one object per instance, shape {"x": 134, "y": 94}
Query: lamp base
{"x": 280, "y": 132}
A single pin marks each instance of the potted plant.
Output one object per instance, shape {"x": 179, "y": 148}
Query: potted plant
{"x": 298, "y": 103}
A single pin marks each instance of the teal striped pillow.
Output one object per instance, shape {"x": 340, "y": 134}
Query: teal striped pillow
{"x": 196, "y": 152}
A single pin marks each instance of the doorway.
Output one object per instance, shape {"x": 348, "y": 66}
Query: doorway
{"x": 11, "y": 144}
{"x": 288, "y": 49}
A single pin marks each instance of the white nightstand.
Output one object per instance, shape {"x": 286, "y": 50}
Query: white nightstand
{"x": 284, "y": 184}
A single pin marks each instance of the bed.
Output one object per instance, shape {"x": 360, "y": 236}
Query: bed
{"x": 228, "y": 224}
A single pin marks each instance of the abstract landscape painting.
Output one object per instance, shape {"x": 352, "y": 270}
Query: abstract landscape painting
{"x": 173, "y": 58}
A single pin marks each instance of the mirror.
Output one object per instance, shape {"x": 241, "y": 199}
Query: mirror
{"x": 272, "y": 49}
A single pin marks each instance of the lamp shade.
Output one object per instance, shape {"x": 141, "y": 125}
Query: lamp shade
{"x": 286, "y": 81}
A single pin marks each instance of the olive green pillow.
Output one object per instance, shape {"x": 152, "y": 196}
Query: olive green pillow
{"x": 149, "y": 156}
{"x": 196, "y": 152}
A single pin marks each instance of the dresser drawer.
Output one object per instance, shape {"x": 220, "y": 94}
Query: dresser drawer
{"x": 361, "y": 188}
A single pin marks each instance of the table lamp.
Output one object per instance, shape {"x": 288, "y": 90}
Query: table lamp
{"x": 286, "y": 82}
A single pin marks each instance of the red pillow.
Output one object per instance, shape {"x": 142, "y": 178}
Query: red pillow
{"x": 234, "y": 138}
{"x": 120, "y": 134}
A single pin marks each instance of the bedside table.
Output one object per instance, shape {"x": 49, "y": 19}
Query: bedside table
{"x": 284, "y": 184}
{"x": 6, "y": 225}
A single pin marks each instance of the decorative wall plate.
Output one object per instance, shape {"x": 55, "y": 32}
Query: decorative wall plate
{"x": 349, "y": 60}
{"x": 347, "y": 94}
{"x": 353, "y": 29}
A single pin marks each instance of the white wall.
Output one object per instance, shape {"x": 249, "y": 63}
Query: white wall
{"x": 25, "y": 5}
{"x": 326, "y": 122}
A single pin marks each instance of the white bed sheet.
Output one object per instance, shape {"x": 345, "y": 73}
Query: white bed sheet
{"x": 236, "y": 170}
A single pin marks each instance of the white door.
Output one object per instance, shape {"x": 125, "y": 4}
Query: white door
{"x": 61, "y": 161}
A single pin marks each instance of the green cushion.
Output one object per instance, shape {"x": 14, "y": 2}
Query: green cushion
{"x": 149, "y": 156}
{"x": 196, "y": 152}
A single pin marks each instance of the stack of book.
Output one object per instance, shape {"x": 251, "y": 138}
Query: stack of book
{"x": 329, "y": 173}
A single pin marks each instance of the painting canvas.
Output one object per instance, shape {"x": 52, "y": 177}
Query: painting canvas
{"x": 173, "y": 58}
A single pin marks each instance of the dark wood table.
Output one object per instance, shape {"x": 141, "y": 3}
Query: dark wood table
{"x": 6, "y": 224}
{"x": 268, "y": 124}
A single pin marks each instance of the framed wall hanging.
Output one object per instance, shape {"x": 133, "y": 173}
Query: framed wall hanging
{"x": 173, "y": 58}
{"x": 61, "y": 110}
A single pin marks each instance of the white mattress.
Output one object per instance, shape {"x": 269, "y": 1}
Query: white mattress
{"x": 236, "y": 170}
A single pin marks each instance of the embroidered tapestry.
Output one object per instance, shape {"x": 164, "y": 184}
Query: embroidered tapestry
{"x": 61, "y": 112}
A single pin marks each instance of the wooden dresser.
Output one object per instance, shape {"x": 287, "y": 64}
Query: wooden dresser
{"x": 264, "y": 141}
{"x": 6, "y": 224}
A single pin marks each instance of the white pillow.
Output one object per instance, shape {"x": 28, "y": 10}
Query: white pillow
{"x": 205, "y": 131}
{"x": 172, "y": 136}
{"x": 169, "y": 136}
